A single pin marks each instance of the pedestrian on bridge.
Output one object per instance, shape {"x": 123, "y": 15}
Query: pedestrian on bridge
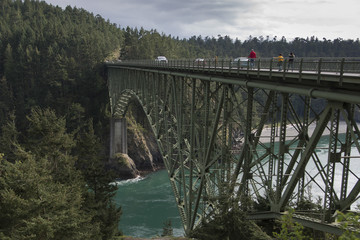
{"x": 280, "y": 60}
{"x": 252, "y": 57}
{"x": 291, "y": 61}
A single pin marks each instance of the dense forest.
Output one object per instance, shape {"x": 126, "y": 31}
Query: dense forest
{"x": 54, "y": 177}
{"x": 142, "y": 44}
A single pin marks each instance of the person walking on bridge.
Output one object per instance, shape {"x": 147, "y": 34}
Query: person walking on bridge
{"x": 280, "y": 59}
{"x": 252, "y": 57}
{"x": 291, "y": 61}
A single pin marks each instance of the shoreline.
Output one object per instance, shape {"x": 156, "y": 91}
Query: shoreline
{"x": 291, "y": 132}
{"x": 144, "y": 173}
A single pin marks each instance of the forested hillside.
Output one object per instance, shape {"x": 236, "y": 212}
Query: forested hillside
{"x": 224, "y": 46}
{"x": 54, "y": 182}
{"x": 48, "y": 57}
{"x": 142, "y": 44}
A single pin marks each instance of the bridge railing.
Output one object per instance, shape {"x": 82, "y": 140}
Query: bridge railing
{"x": 318, "y": 65}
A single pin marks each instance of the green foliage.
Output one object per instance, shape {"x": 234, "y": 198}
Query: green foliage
{"x": 47, "y": 138}
{"x": 6, "y": 100}
{"x": 43, "y": 195}
{"x": 50, "y": 66}
{"x": 35, "y": 206}
{"x": 9, "y": 138}
{"x": 53, "y": 182}
{"x": 47, "y": 133}
{"x": 262, "y": 203}
{"x": 230, "y": 223}
{"x": 99, "y": 198}
{"x": 350, "y": 223}
{"x": 50, "y": 57}
{"x": 307, "y": 203}
{"x": 290, "y": 230}
{"x": 167, "y": 229}
{"x": 133, "y": 125}
{"x": 121, "y": 161}
{"x": 143, "y": 44}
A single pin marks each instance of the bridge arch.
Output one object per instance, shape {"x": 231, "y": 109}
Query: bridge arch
{"x": 200, "y": 117}
{"x": 120, "y": 108}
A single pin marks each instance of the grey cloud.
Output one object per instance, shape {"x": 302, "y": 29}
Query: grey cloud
{"x": 178, "y": 18}
{"x": 236, "y": 18}
{"x": 189, "y": 11}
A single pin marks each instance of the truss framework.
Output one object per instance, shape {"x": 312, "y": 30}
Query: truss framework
{"x": 217, "y": 136}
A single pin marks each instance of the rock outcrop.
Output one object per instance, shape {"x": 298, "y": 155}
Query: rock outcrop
{"x": 143, "y": 153}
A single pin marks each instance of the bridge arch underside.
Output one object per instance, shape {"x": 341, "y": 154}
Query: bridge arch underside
{"x": 240, "y": 142}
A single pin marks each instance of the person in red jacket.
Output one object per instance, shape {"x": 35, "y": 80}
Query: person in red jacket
{"x": 252, "y": 57}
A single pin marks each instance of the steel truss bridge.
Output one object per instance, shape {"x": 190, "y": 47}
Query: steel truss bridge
{"x": 227, "y": 131}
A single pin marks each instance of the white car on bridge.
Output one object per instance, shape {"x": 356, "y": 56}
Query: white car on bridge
{"x": 161, "y": 59}
{"x": 240, "y": 61}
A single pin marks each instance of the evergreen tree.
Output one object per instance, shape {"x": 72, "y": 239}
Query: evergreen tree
{"x": 290, "y": 230}
{"x": 47, "y": 138}
{"x": 98, "y": 180}
{"x": 9, "y": 138}
{"x": 33, "y": 205}
{"x": 350, "y": 223}
{"x": 50, "y": 57}
{"x": 167, "y": 229}
{"x": 230, "y": 223}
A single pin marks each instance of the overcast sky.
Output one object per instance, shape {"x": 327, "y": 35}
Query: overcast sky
{"x": 330, "y": 19}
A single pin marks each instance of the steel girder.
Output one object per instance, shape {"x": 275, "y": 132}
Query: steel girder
{"x": 222, "y": 138}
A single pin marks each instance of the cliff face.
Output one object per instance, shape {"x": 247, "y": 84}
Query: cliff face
{"x": 143, "y": 154}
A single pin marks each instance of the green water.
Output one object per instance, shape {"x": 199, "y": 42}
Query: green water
{"x": 146, "y": 204}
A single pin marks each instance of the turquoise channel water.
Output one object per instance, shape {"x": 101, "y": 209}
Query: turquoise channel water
{"x": 148, "y": 202}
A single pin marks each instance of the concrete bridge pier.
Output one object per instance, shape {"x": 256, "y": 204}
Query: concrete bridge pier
{"x": 118, "y": 136}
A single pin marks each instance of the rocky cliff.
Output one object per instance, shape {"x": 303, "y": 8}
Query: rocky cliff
{"x": 143, "y": 153}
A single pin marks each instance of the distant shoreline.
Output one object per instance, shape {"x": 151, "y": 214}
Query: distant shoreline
{"x": 291, "y": 132}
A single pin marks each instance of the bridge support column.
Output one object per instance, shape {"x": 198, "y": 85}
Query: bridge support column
{"x": 118, "y": 136}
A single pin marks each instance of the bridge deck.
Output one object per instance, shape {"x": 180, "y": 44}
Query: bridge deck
{"x": 338, "y": 71}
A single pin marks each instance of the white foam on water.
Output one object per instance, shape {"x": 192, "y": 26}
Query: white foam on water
{"x": 128, "y": 181}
